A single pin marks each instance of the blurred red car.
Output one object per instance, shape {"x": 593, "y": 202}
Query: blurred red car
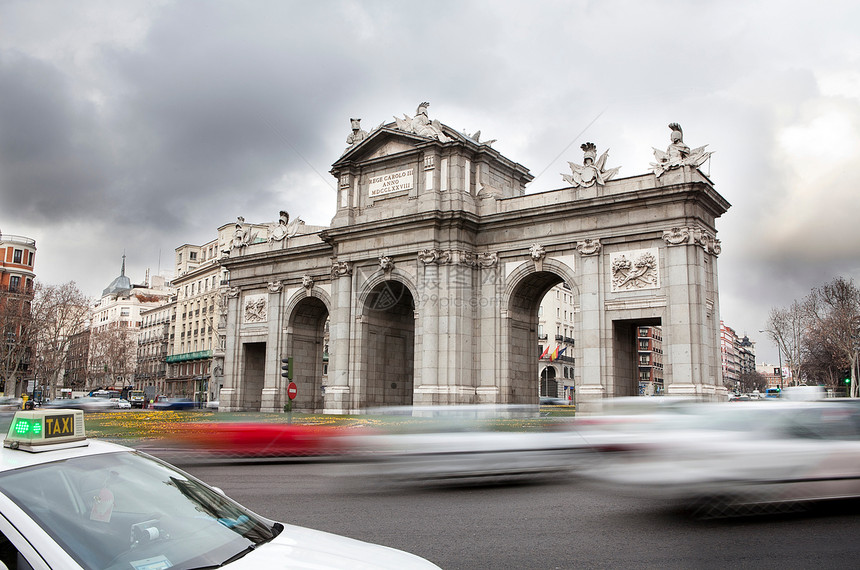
{"x": 264, "y": 440}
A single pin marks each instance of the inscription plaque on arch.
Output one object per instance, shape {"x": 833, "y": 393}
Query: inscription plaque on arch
{"x": 391, "y": 182}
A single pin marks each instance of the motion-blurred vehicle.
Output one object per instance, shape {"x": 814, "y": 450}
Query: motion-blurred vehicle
{"x": 213, "y": 404}
{"x": 721, "y": 457}
{"x": 247, "y": 440}
{"x": 87, "y": 403}
{"x": 550, "y": 401}
{"x": 71, "y": 502}
{"x": 10, "y": 403}
{"x": 174, "y": 404}
{"x": 452, "y": 445}
{"x": 120, "y": 403}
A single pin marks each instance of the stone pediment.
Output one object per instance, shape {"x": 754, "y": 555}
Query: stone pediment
{"x": 388, "y": 140}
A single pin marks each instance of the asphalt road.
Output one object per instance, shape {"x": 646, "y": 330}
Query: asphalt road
{"x": 551, "y": 525}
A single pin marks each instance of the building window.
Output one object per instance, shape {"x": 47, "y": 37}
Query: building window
{"x": 14, "y": 282}
{"x": 30, "y": 263}
{"x": 192, "y": 256}
{"x": 17, "y": 256}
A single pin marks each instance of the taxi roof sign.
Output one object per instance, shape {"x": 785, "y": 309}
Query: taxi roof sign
{"x": 46, "y": 430}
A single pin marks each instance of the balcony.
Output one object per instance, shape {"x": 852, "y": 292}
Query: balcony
{"x": 188, "y": 356}
{"x": 20, "y": 240}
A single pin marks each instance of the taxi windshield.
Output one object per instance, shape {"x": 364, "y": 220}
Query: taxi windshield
{"x": 127, "y": 510}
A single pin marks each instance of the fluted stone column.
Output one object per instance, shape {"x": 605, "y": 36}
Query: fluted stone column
{"x": 338, "y": 397}
{"x": 590, "y": 387}
{"x": 274, "y": 389}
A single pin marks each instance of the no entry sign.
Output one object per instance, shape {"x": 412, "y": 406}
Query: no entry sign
{"x": 292, "y": 391}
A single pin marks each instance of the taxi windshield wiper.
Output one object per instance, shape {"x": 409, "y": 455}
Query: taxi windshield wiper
{"x": 237, "y": 556}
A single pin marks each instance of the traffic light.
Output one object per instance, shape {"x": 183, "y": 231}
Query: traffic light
{"x": 848, "y": 380}
{"x": 287, "y": 367}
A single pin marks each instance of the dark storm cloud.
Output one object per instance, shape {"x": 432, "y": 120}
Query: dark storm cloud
{"x": 51, "y": 156}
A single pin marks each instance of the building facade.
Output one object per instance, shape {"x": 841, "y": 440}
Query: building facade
{"x": 650, "y": 349}
{"x": 115, "y": 326}
{"x": 153, "y": 346}
{"x": 434, "y": 266}
{"x": 196, "y": 346}
{"x": 556, "y": 343}
{"x": 17, "y": 275}
{"x": 730, "y": 355}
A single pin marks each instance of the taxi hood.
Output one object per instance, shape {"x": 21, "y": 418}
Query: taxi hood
{"x": 297, "y": 547}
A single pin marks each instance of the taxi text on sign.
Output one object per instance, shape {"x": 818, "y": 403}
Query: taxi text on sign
{"x": 59, "y": 426}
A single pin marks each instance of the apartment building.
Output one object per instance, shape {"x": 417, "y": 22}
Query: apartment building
{"x": 115, "y": 326}
{"x": 194, "y": 341}
{"x": 555, "y": 343}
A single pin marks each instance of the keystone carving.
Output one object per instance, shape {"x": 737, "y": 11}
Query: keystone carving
{"x": 275, "y": 286}
{"x": 537, "y": 252}
{"x": 307, "y": 282}
{"x": 386, "y": 263}
{"x": 589, "y": 247}
{"x": 340, "y": 269}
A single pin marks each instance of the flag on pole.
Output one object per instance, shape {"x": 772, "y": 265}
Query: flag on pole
{"x": 560, "y": 352}
{"x": 554, "y": 354}
{"x": 545, "y": 352}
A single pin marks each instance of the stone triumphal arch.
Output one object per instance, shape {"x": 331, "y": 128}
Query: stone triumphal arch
{"x": 426, "y": 286}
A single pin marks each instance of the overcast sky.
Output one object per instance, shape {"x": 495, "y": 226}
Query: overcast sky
{"x": 135, "y": 127}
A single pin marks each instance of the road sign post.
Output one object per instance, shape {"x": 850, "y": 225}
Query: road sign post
{"x": 292, "y": 392}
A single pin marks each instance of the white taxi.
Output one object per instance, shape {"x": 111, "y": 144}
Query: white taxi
{"x": 71, "y": 502}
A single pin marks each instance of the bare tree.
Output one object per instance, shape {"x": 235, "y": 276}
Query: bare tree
{"x": 786, "y": 328}
{"x": 58, "y": 312}
{"x": 113, "y": 355}
{"x": 833, "y": 311}
{"x": 15, "y": 341}
{"x": 752, "y": 381}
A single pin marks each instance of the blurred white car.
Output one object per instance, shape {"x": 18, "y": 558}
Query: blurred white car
{"x": 71, "y": 502}
{"x": 723, "y": 456}
{"x": 460, "y": 444}
{"x": 120, "y": 403}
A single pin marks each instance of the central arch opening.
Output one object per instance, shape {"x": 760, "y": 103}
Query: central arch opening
{"x": 524, "y": 337}
{"x": 389, "y": 340}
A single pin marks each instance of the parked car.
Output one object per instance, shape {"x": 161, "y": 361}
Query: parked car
{"x": 174, "y": 404}
{"x": 86, "y": 503}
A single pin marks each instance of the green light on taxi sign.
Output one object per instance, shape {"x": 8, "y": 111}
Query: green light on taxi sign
{"x": 46, "y": 429}
{"x": 27, "y": 428}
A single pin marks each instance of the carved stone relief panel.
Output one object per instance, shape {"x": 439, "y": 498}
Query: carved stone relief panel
{"x": 635, "y": 270}
{"x": 255, "y": 309}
